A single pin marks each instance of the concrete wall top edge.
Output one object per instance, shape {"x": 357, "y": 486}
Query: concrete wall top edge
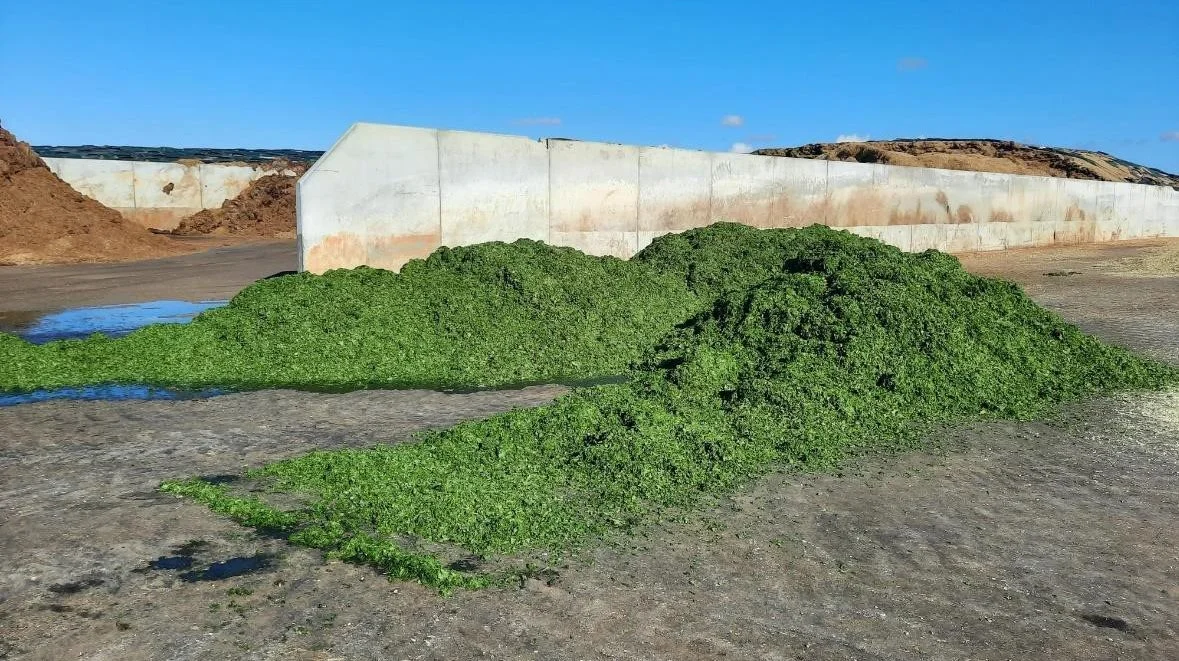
{"x": 335, "y": 145}
{"x": 404, "y": 127}
{"x": 110, "y": 164}
{"x": 548, "y": 142}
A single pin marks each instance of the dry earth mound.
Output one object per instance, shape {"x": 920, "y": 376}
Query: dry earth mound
{"x": 984, "y": 156}
{"x": 44, "y": 220}
{"x": 265, "y": 209}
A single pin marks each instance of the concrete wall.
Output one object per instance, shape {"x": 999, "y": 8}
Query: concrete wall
{"x": 386, "y": 194}
{"x": 156, "y": 195}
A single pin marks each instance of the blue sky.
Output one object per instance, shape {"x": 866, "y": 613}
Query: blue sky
{"x": 296, "y": 74}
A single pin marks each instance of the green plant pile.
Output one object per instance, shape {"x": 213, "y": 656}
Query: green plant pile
{"x": 814, "y": 345}
{"x": 486, "y": 315}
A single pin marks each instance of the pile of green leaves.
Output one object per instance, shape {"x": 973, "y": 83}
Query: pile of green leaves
{"x": 815, "y": 345}
{"x": 485, "y": 315}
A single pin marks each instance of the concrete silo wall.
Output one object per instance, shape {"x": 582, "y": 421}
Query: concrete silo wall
{"x": 386, "y": 194}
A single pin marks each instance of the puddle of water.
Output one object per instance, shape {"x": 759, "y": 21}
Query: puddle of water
{"x": 171, "y": 562}
{"x": 108, "y": 392}
{"x": 110, "y": 320}
{"x": 146, "y": 392}
{"x": 229, "y": 568}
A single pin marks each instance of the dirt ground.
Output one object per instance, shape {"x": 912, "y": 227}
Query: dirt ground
{"x": 1053, "y": 539}
{"x": 216, "y": 272}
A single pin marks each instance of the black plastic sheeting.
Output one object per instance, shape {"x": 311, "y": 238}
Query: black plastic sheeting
{"x": 172, "y": 154}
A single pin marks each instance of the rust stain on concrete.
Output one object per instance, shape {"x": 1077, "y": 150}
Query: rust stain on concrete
{"x": 190, "y": 184}
{"x": 392, "y": 252}
{"x": 917, "y": 216}
{"x": 862, "y": 207}
{"x": 159, "y": 218}
{"x": 965, "y": 214}
{"x": 1075, "y": 212}
{"x": 945, "y": 204}
{"x": 1080, "y": 232}
{"x": 749, "y": 209}
{"x": 343, "y": 250}
{"x": 1001, "y": 216}
{"x": 788, "y": 211}
{"x": 679, "y": 218}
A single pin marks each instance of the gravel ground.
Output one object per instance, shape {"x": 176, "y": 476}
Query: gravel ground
{"x": 1053, "y": 539}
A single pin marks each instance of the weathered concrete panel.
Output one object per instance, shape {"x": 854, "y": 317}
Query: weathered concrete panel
{"x": 220, "y": 182}
{"x": 800, "y": 192}
{"x": 675, "y": 189}
{"x": 947, "y": 237}
{"x": 110, "y": 182}
{"x": 923, "y": 237}
{"x": 140, "y": 190}
{"x": 644, "y": 239}
{"x": 614, "y": 243}
{"x": 1072, "y": 232}
{"x": 1017, "y": 234}
{"x": 493, "y": 188}
{"x": 1036, "y": 199}
{"x": 1105, "y": 203}
{"x": 1079, "y": 199}
{"x": 904, "y": 197}
{"x": 974, "y": 197}
{"x": 871, "y": 194}
{"x": 928, "y": 195}
{"x": 593, "y": 187}
{"x": 852, "y": 197}
{"x": 959, "y": 237}
{"x": 900, "y": 236}
{"x": 392, "y": 197}
{"x": 165, "y": 193}
{"x": 167, "y": 185}
{"x": 744, "y": 188}
{"x": 1108, "y": 230}
{"x": 1155, "y": 211}
{"x": 372, "y": 199}
{"x": 995, "y": 236}
{"x": 1169, "y": 212}
{"x": 1128, "y": 208}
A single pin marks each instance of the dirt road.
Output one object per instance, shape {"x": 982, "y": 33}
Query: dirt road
{"x": 1052, "y": 539}
{"x": 27, "y": 292}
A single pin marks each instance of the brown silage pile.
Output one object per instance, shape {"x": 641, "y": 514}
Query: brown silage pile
{"x": 266, "y": 208}
{"x": 44, "y": 221}
{"x": 983, "y": 156}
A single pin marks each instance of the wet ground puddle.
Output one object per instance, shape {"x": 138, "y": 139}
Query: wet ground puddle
{"x": 112, "y": 321}
{"x": 217, "y": 571}
{"x": 119, "y": 320}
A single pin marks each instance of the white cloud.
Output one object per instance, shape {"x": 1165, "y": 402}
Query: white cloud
{"x": 538, "y": 121}
{"x": 851, "y": 137}
{"x": 1169, "y": 136}
{"x": 912, "y": 63}
{"x": 740, "y": 148}
{"x": 732, "y": 120}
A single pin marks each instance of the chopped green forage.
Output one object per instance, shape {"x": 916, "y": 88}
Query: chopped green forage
{"x": 806, "y": 347}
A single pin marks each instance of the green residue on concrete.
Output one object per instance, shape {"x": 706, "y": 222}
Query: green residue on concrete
{"x": 796, "y": 349}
